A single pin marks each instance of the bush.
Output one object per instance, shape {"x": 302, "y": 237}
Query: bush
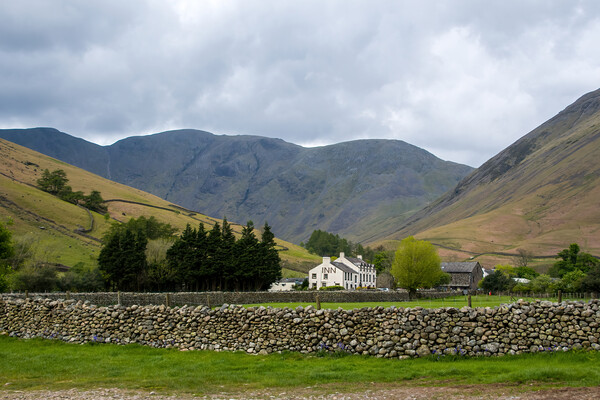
{"x": 335, "y": 287}
{"x": 35, "y": 278}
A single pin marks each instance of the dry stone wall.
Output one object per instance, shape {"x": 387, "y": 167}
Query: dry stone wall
{"x": 213, "y": 299}
{"x": 391, "y": 332}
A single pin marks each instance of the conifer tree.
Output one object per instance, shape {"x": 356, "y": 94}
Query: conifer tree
{"x": 227, "y": 257}
{"x": 270, "y": 267}
{"x": 122, "y": 260}
{"x": 247, "y": 253}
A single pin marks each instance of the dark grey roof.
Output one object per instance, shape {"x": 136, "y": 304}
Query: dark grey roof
{"x": 291, "y": 280}
{"x": 343, "y": 267}
{"x": 458, "y": 267}
{"x": 357, "y": 261}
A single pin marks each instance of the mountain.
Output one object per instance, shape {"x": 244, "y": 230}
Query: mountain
{"x": 362, "y": 189}
{"x": 540, "y": 194}
{"x": 65, "y": 234}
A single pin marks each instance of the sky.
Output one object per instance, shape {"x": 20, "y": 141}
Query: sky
{"x": 461, "y": 79}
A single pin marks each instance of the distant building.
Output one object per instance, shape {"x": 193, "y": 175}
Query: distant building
{"x": 286, "y": 284}
{"x": 348, "y": 272}
{"x": 464, "y": 275}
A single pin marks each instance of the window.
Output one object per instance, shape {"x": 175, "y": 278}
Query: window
{"x": 314, "y": 276}
{"x": 323, "y": 284}
{"x": 325, "y": 276}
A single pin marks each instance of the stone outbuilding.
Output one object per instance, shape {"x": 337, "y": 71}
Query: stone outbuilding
{"x": 464, "y": 275}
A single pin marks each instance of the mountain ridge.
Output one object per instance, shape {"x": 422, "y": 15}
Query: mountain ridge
{"x": 360, "y": 189}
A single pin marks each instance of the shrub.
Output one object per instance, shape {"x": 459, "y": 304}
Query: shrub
{"x": 335, "y": 287}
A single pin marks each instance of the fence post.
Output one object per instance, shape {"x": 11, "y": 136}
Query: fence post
{"x": 68, "y": 295}
{"x": 318, "y": 301}
{"x": 119, "y": 297}
{"x": 469, "y": 301}
{"x": 168, "y": 300}
{"x": 27, "y": 294}
{"x": 208, "y": 300}
{"x": 560, "y": 296}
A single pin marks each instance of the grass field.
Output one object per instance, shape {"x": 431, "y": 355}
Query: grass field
{"x": 53, "y": 365}
{"x": 457, "y": 302}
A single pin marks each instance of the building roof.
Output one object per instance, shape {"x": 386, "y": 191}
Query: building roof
{"x": 357, "y": 261}
{"x": 459, "y": 267}
{"x": 343, "y": 267}
{"x": 291, "y": 280}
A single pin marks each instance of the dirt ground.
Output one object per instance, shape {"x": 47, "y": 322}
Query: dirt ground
{"x": 468, "y": 392}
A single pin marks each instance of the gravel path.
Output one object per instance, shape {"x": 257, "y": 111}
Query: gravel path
{"x": 471, "y": 392}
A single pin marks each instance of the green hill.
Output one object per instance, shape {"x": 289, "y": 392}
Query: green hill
{"x": 58, "y": 230}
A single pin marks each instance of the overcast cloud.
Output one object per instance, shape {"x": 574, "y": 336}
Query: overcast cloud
{"x": 461, "y": 79}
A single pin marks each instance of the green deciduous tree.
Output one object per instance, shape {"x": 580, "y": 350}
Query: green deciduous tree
{"x": 6, "y": 254}
{"x": 82, "y": 278}
{"x": 572, "y": 259}
{"x": 497, "y": 282}
{"x": 525, "y": 272}
{"x": 383, "y": 260}
{"x": 571, "y": 281}
{"x": 506, "y": 269}
{"x": 327, "y": 244}
{"x": 35, "y": 278}
{"x": 542, "y": 284}
{"x": 94, "y": 202}
{"x": 53, "y": 182}
{"x": 416, "y": 265}
{"x": 591, "y": 283}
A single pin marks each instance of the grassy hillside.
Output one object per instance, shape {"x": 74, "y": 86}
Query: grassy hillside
{"x": 51, "y": 224}
{"x": 539, "y": 194}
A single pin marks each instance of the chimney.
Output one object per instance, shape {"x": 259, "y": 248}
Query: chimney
{"x": 359, "y": 257}
{"x": 341, "y": 255}
{"x": 326, "y": 260}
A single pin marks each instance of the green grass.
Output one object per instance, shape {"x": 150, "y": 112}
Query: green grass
{"x": 45, "y": 364}
{"x": 457, "y": 302}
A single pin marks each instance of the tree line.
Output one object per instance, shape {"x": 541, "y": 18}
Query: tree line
{"x": 197, "y": 260}
{"x": 575, "y": 271}
{"x": 145, "y": 254}
{"x": 326, "y": 244}
{"x": 55, "y": 183}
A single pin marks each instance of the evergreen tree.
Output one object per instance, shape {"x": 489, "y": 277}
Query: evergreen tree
{"x": 247, "y": 254}
{"x": 186, "y": 256}
{"x": 214, "y": 259}
{"x": 269, "y": 269}
{"x": 226, "y": 255}
{"x": 122, "y": 260}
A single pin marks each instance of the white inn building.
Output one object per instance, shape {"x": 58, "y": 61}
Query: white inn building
{"x": 348, "y": 272}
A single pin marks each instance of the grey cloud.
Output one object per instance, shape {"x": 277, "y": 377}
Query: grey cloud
{"x": 462, "y": 79}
